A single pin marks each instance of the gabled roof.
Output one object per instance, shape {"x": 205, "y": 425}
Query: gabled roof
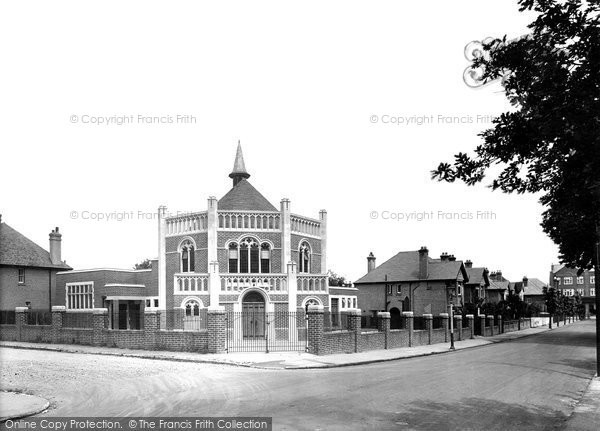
{"x": 477, "y": 276}
{"x": 534, "y": 286}
{"x": 244, "y": 197}
{"x": 18, "y": 250}
{"x": 499, "y": 285}
{"x": 404, "y": 266}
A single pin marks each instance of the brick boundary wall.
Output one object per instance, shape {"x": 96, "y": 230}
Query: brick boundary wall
{"x": 213, "y": 339}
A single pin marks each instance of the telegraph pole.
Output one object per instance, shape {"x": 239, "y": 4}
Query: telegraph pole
{"x": 597, "y": 284}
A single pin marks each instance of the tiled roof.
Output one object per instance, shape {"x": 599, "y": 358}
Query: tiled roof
{"x": 534, "y": 286}
{"x": 18, "y": 250}
{"x": 405, "y": 267}
{"x": 498, "y": 285}
{"x": 476, "y": 276}
{"x": 244, "y": 197}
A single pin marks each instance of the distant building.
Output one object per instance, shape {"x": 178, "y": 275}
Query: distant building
{"x": 533, "y": 291}
{"x": 27, "y": 271}
{"x": 498, "y": 289}
{"x": 411, "y": 281}
{"x": 476, "y": 286}
{"x": 568, "y": 282}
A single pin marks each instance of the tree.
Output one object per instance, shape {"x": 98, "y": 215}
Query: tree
{"x": 549, "y": 143}
{"x": 551, "y": 300}
{"x": 336, "y": 280}
{"x": 145, "y": 264}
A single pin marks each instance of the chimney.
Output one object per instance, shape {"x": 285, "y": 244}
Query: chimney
{"x": 451, "y": 258}
{"x": 498, "y": 275}
{"x": 423, "y": 262}
{"x": 444, "y": 256}
{"x": 55, "y": 240}
{"x": 525, "y": 280}
{"x": 370, "y": 262}
{"x": 468, "y": 264}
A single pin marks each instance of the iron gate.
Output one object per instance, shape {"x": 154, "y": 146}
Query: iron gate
{"x": 260, "y": 331}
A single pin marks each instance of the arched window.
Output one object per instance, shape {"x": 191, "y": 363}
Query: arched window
{"x": 311, "y": 301}
{"x": 187, "y": 256}
{"x": 249, "y": 256}
{"x": 192, "y": 308}
{"x": 304, "y": 258}
{"x": 265, "y": 258}
{"x": 233, "y": 257}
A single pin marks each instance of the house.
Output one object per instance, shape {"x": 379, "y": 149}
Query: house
{"x": 498, "y": 289}
{"x": 533, "y": 291}
{"x": 411, "y": 281}
{"x": 476, "y": 286}
{"x": 568, "y": 281}
{"x": 27, "y": 271}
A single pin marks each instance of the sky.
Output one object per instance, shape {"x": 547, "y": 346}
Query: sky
{"x": 110, "y": 109}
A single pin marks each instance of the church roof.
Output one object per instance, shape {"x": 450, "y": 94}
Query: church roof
{"x": 244, "y": 197}
{"x": 18, "y": 250}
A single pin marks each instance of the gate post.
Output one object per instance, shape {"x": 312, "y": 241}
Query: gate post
{"x": 151, "y": 325}
{"x": 216, "y": 329}
{"x": 354, "y": 325}
{"x": 408, "y": 317}
{"x": 429, "y": 326}
{"x": 482, "y": 325}
{"x": 446, "y": 326}
{"x": 58, "y": 311}
{"x": 383, "y": 325}
{"x": 458, "y": 326}
{"x": 99, "y": 318}
{"x": 20, "y": 321}
{"x": 471, "y": 320}
{"x": 491, "y": 323}
{"x": 315, "y": 329}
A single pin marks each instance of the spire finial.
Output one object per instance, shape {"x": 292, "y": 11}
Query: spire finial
{"x": 239, "y": 168}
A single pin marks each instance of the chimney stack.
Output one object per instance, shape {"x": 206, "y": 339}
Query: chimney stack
{"x": 55, "y": 247}
{"x": 451, "y": 258}
{"x": 444, "y": 256}
{"x": 468, "y": 264}
{"x": 423, "y": 263}
{"x": 525, "y": 280}
{"x": 370, "y": 262}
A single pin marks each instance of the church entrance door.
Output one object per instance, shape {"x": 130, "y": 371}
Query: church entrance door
{"x": 253, "y": 315}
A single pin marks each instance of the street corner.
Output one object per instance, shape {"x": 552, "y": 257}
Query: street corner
{"x": 15, "y": 405}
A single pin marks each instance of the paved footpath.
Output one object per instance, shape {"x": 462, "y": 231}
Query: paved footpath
{"x": 15, "y": 405}
{"x": 280, "y": 360}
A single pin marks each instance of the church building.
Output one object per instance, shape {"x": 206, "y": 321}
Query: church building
{"x": 242, "y": 253}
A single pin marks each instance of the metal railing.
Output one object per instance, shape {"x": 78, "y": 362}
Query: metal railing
{"x": 7, "y": 317}
{"x": 38, "y": 317}
{"x": 336, "y": 321}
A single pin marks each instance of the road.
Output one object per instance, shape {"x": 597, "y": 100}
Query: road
{"x": 527, "y": 384}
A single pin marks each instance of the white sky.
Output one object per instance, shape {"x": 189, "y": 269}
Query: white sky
{"x": 296, "y": 82}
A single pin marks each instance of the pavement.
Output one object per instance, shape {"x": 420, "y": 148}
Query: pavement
{"x": 280, "y": 360}
{"x": 586, "y": 416}
{"x": 14, "y": 405}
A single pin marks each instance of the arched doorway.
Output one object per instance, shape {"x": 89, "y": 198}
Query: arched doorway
{"x": 406, "y": 304}
{"x": 394, "y": 318}
{"x": 253, "y": 315}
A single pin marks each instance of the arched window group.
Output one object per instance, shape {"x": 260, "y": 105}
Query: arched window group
{"x": 304, "y": 257}
{"x": 187, "y": 256}
{"x": 192, "y": 308}
{"x": 249, "y": 256}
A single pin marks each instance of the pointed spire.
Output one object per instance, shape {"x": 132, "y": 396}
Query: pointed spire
{"x": 239, "y": 168}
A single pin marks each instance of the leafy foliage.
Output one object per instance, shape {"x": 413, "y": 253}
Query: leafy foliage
{"x": 336, "y": 280}
{"x": 145, "y": 264}
{"x": 549, "y": 143}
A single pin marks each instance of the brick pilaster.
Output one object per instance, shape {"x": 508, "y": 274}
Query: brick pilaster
{"x": 429, "y": 326}
{"x": 100, "y": 319}
{"x": 178, "y": 318}
{"x": 471, "y": 320}
{"x": 315, "y": 329}
{"x": 151, "y": 327}
{"x": 216, "y": 329}
{"x": 383, "y": 325}
{"x": 20, "y": 321}
{"x": 408, "y": 317}
{"x": 500, "y": 325}
{"x": 446, "y": 326}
